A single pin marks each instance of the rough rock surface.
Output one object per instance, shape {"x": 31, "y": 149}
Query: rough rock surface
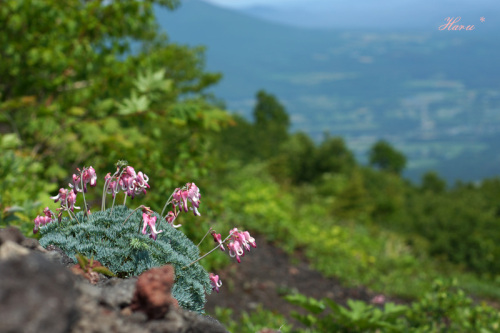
{"x": 35, "y": 295}
{"x": 38, "y": 293}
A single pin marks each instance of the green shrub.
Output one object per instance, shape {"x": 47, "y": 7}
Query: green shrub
{"x": 444, "y": 309}
{"x": 20, "y": 186}
{"x": 359, "y": 317}
{"x": 127, "y": 252}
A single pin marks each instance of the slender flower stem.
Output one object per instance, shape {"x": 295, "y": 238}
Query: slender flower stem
{"x": 204, "y": 237}
{"x": 125, "y": 199}
{"x": 206, "y": 254}
{"x": 71, "y": 214}
{"x": 165, "y": 207}
{"x": 83, "y": 194}
{"x": 105, "y": 189}
{"x": 141, "y": 206}
{"x": 117, "y": 184}
{"x": 112, "y": 205}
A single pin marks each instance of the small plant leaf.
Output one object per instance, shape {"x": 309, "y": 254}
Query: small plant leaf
{"x": 82, "y": 261}
{"x": 103, "y": 270}
{"x": 310, "y": 304}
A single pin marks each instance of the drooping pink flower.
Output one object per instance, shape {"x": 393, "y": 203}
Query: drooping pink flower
{"x": 142, "y": 181}
{"x": 218, "y": 239}
{"x": 127, "y": 185}
{"x": 249, "y": 239}
{"x": 89, "y": 176}
{"x": 239, "y": 241}
{"x": 130, "y": 172}
{"x": 48, "y": 212}
{"x": 170, "y": 218}
{"x": 71, "y": 200}
{"x": 150, "y": 221}
{"x": 235, "y": 250}
{"x": 86, "y": 176}
{"x": 193, "y": 194}
{"x": 63, "y": 193}
{"x": 190, "y": 193}
{"x": 180, "y": 199}
{"x": 76, "y": 184}
{"x": 132, "y": 183}
{"x": 41, "y": 221}
{"x": 215, "y": 281}
{"x": 112, "y": 187}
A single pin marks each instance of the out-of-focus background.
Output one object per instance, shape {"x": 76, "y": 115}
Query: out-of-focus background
{"x": 358, "y": 142}
{"x": 363, "y": 70}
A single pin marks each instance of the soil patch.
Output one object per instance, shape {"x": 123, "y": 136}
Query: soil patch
{"x": 267, "y": 273}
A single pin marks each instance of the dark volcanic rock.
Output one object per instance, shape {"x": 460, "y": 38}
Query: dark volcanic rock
{"x": 57, "y": 255}
{"x": 11, "y": 234}
{"x": 39, "y": 294}
{"x": 118, "y": 293}
{"x": 35, "y": 296}
{"x": 30, "y": 243}
{"x": 179, "y": 320}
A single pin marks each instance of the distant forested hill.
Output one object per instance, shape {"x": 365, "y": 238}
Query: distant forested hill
{"x": 434, "y": 94}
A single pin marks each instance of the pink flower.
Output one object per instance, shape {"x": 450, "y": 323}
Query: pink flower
{"x": 240, "y": 240}
{"x": 63, "y": 193}
{"x": 235, "y": 250}
{"x": 218, "y": 239}
{"x": 249, "y": 239}
{"x": 76, "y": 184}
{"x": 379, "y": 299}
{"x": 89, "y": 176}
{"x": 71, "y": 201}
{"x": 112, "y": 187}
{"x": 150, "y": 221}
{"x": 47, "y": 212}
{"x": 170, "y": 218}
{"x": 41, "y": 221}
{"x": 191, "y": 193}
{"x": 67, "y": 198}
{"x": 130, "y": 172}
{"x": 180, "y": 196}
{"x": 142, "y": 181}
{"x": 216, "y": 283}
{"x": 130, "y": 182}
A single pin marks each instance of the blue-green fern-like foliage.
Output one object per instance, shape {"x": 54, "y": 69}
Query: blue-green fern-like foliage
{"x": 127, "y": 252}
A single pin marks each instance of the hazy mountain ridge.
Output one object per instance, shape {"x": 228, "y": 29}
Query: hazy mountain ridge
{"x": 385, "y": 14}
{"x": 432, "y": 93}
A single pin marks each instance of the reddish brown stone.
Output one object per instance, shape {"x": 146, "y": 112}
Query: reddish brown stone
{"x": 153, "y": 292}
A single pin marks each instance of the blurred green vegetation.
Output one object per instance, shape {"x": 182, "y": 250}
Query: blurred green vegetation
{"x": 445, "y": 308}
{"x": 73, "y": 93}
{"x": 88, "y": 83}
